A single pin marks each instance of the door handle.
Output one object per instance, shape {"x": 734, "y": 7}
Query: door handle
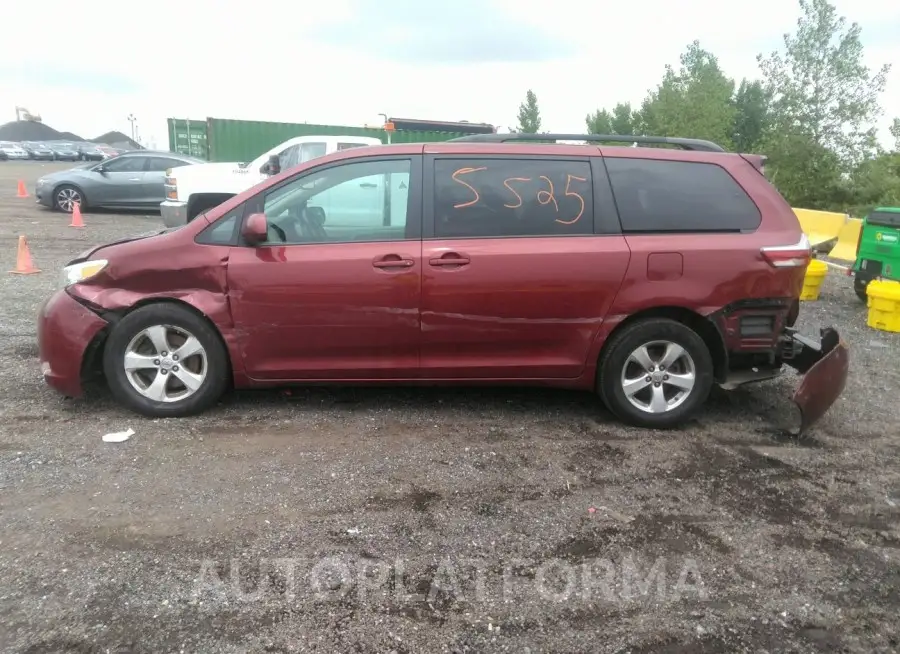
{"x": 134, "y": 179}
{"x": 368, "y": 185}
{"x": 450, "y": 259}
{"x": 393, "y": 261}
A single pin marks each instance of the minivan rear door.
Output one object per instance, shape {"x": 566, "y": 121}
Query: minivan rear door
{"x": 521, "y": 262}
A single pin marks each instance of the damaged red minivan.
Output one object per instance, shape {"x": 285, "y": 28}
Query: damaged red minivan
{"x": 646, "y": 274}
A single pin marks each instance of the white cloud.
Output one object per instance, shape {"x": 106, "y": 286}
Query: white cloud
{"x": 266, "y": 61}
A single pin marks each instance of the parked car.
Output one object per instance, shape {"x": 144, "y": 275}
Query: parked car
{"x": 3, "y": 155}
{"x": 13, "y": 150}
{"x": 90, "y": 152}
{"x": 38, "y": 151}
{"x": 196, "y": 189}
{"x": 643, "y": 274}
{"x": 64, "y": 152}
{"x": 129, "y": 181}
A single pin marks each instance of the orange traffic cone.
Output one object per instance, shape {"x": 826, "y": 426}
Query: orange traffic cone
{"x": 23, "y": 193}
{"x": 77, "y": 220}
{"x": 24, "y": 265}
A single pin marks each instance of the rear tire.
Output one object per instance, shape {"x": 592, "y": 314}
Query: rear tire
{"x": 163, "y": 361}
{"x": 641, "y": 393}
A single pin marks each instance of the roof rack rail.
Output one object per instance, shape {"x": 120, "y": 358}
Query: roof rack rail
{"x": 687, "y": 144}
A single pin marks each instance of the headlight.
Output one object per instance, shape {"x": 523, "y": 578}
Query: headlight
{"x": 41, "y": 181}
{"x": 83, "y": 271}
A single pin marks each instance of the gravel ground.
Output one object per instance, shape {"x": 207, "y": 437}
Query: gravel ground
{"x": 438, "y": 520}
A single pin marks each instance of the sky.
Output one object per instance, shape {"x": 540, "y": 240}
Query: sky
{"x": 344, "y": 62}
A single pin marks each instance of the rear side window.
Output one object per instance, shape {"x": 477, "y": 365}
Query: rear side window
{"x": 488, "y": 197}
{"x": 679, "y": 196}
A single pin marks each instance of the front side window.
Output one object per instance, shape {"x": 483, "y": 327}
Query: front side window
{"x": 492, "y": 197}
{"x": 359, "y": 201}
{"x": 312, "y": 151}
{"x": 125, "y": 165}
{"x": 661, "y": 196}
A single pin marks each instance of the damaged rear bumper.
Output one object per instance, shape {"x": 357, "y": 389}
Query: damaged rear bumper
{"x": 824, "y": 364}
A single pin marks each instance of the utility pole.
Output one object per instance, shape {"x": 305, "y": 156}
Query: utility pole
{"x": 132, "y": 120}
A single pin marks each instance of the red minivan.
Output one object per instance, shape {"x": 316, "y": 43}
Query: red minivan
{"x": 646, "y": 272}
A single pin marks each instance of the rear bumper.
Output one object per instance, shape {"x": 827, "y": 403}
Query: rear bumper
{"x": 824, "y": 364}
{"x": 173, "y": 212}
{"x": 65, "y": 330}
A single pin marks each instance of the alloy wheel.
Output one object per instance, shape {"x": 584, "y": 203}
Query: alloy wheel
{"x": 658, "y": 376}
{"x": 67, "y": 198}
{"x": 165, "y": 363}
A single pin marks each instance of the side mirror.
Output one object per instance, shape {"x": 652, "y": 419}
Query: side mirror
{"x": 272, "y": 166}
{"x": 255, "y": 229}
{"x": 100, "y": 169}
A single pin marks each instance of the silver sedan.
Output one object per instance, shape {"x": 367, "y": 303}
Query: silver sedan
{"x": 134, "y": 180}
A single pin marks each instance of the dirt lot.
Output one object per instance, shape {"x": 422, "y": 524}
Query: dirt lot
{"x": 437, "y": 520}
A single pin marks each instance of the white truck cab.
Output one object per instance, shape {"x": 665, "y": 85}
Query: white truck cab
{"x": 193, "y": 189}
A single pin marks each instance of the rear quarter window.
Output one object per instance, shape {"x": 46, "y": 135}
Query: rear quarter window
{"x": 679, "y": 196}
{"x": 494, "y": 197}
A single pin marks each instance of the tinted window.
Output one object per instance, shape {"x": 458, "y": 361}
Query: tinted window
{"x": 361, "y": 201}
{"x": 159, "y": 164}
{"x": 679, "y": 196}
{"x": 125, "y": 165}
{"x": 512, "y": 197}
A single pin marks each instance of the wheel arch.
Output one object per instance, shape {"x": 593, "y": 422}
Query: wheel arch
{"x": 704, "y": 327}
{"x": 92, "y": 363}
{"x": 84, "y": 196}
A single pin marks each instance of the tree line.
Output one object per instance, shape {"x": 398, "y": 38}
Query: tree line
{"x": 812, "y": 112}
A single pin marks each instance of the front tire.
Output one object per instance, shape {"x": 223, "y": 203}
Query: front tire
{"x": 655, "y": 373}
{"x": 163, "y": 360}
{"x": 65, "y": 197}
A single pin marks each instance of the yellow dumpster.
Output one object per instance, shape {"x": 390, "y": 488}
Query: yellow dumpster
{"x": 884, "y": 305}
{"x": 848, "y": 237}
{"x": 820, "y": 227}
{"x": 812, "y": 281}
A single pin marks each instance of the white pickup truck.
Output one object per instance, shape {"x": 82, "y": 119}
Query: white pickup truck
{"x": 193, "y": 189}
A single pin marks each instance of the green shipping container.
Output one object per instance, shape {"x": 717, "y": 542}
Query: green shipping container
{"x": 188, "y": 137}
{"x": 225, "y": 139}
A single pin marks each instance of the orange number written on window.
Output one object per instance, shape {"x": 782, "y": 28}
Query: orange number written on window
{"x": 466, "y": 171}
{"x": 545, "y": 196}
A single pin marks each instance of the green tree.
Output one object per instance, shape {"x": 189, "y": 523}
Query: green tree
{"x": 622, "y": 120}
{"x": 895, "y": 132}
{"x": 694, "y": 102}
{"x": 529, "y": 115}
{"x": 751, "y": 117}
{"x": 821, "y": 87}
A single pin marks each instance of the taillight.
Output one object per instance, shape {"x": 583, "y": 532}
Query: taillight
{"x": 797, "y": 255}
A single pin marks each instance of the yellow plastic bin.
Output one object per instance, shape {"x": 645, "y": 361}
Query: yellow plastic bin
{"x": 812, "y": 282}
{"x": 884, "y": 305}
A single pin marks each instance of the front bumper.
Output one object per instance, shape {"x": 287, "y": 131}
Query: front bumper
{"x": 43, "y": 195}
{"x": 824, "y": 365}
{"x": 173, "y": 212}
{"x": 65, "y": 330}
